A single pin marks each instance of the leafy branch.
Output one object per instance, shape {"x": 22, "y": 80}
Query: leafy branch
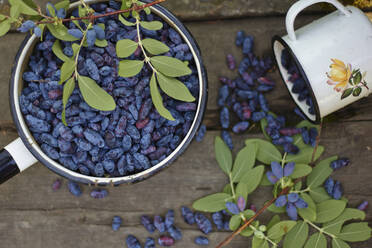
{"x": 165, "y": 69}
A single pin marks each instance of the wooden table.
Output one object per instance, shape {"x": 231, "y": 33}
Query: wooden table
{"x": 33, "y": 216}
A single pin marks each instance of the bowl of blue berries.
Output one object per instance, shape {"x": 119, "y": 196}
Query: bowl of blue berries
{"x": 110, "y": 93}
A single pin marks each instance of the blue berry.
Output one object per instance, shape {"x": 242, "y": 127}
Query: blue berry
{"x": 91, "y": 37}
{"x": 201, "y": 240}
{"x": 217, "y": 218}
{"x": 165, "y": 241}
{"x": 225, "y": 117}
{"x": 26, "y": 26}
{"x": 116, "y": 223}
{"x": 239, "y": 38}
{"x": 100, "y": 33}
{"x": 169, "y": 218}
{"x": 94, "y": 138}
{"x": 203, "y": 223}
{"x": 76, "y": 33}
{"x": 363, "y": 206}
{"x": 175, "y": 233}
{"x": 248, "y": 45}
{"x": 240, "y": 127}
{"x": 187, "y": 215}
{"x": 98, "y": 193}
{"x": 226, "y": 137}
{"x": 231, "y": 63}
{"x": 340, "y": 163}
{"x": 201, "y": 133}
{"x": 159, "y": 223}
{"x": 147, "y": 223}
{"x": 132, "y": 242}
{"x": 150, "y": 243}
{"x": 74, "y": 188}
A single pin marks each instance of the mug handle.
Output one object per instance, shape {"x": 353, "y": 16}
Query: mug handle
{"x": 14, "y": 158}
{"x": 303, "y": 4}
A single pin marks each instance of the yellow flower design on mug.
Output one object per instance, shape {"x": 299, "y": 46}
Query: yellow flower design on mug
{"x": 345, "y": 79}
{"x": 339, "y": 75}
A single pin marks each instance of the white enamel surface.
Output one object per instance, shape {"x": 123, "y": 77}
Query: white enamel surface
{"x": 101, "y": 180}
{"x": 335, "y": 36}
{"x": 21, "y": 155}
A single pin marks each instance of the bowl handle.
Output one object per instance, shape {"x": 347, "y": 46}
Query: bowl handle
{"x": 14, "y": 158}
{"x": 303, "y": 4}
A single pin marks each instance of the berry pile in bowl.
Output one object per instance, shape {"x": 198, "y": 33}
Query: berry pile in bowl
{"x": 134, "y": 132}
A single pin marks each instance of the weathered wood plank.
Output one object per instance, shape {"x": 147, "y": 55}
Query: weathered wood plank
{"x": 213, "y": 9}
{"x": 56, "y": 218}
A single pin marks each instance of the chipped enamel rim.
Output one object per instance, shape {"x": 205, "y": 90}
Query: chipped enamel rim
{"x": 16, "y": 84}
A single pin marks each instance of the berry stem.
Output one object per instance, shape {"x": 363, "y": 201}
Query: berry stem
{"x": 248, "y": 222}
{"x": 78, "y": 51}
{"x": 93, "y": 17}
{"x": 232, "y": 186}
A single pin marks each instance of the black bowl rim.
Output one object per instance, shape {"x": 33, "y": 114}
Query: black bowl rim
{"x": 279, "y": 39}
{"x": 198, "y": 119}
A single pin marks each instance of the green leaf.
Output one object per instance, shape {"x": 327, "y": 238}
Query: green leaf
{"x": 317, "y": 240}
{"x": 15, "y": 11}
{"x": 68, "y": 88}
{"x": 51, "y": 10}
{"x": 130, "y": 68}
{"x": 30, "y": 3}
{"x": 275, "y": 219}
{"x": 319, "y": 194}
{"x": 357, "y": 78}
{"x": 355, "y": 232}
{"x": 227, "y": 189}
{"x": 320, "y": 173}
{"x": 338, "y": 243}
{"x": 95, "y": 96}
{"x": 329, "y": 210}
{"x": 2, "y": 17}
{"x": 259, "y": 243}
{"x": 301, "y": 170}
{"x": 297, "y": 236}
{"x": 125, "y": 48}
{"x": 155, "y": 47}
{"x": 305, "y": 155}
{"x": 170, "y": 67}
{"x": 57, "y": 50}
{"x": 247, "y": 232}
{"x": 125, "y": 22}
{"x": 334, "y": 226}
{"x": 223, "y": 155}
{"x": 154, "y": 25}
{"x": 242, "y": 190}
{"x": 60, "y": 32}
{"x": 253, "y": 178}
{"x": 309, "y": 213}
{"x": 4, "y": 27}
{"x": 235, "y": 222}
{"x": 158, "y": 100}
{"x": 212, "y": 203}
{"x": 244, "y": 161}
{"x": 275, "y": 209}
{"x": 265, "y": 181}
{"x": 298, "y": 186}
{"x": 357, "y": 91}
{"x": 280, "y": 229}
{"x": 101, "y": 43}
{"x": 23, "y": 7}
{"x": 266, "y": 152}
{"x": 62, "y": 5}
{"x": 67, "y": 70}
{"x": 174, "y": 88}
{"x": 147, "y": 9}
{"x": 248, "y": 213}
{"x": 346, "y": 93}
{"x": 75, "y": 48}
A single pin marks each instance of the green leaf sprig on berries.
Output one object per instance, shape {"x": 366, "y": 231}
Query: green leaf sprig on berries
{"x": 297, "y": 191}
{"x": 26, "y": 16}
{"x": 165, "y": 69}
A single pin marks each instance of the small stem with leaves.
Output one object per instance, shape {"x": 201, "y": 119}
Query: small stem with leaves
{"x": 321, "y": 230}
{"x": 264, "y": 236}
{"x": 79, "y": 49}
{"x": 232, "y": 186}
{"x": 147, "y": 58}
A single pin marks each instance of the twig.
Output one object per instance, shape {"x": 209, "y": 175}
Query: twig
{"x": 92, "y": 17}
{"x": 248, "y": 222}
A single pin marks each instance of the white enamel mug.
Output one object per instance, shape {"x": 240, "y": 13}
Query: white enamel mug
{"x": 333, "y": 56}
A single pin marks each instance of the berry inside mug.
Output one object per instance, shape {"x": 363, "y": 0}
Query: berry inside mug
{"x": 86, "y": 145}
{"x": 325, "y": 64}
